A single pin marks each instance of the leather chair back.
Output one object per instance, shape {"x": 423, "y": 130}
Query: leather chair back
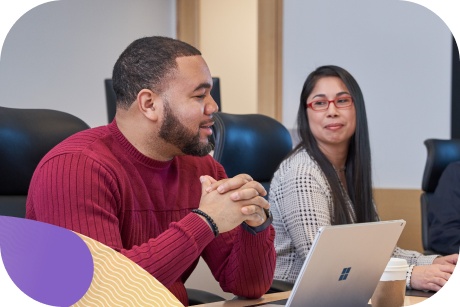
{"x": 440, "y": 153}
{"x": 215, "y": 92}
{"x": 254, "y": 144}
{"x": 110, "y": 99}
{"x": 26, "y": 136}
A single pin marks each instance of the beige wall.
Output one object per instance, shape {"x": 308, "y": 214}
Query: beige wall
{"x": 245, "y": 51}
{"x": 228, "y": 41}
{"x": 395, "y": 204}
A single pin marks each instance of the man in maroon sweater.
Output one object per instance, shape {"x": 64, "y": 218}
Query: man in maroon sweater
{"x": 146, "y": 186}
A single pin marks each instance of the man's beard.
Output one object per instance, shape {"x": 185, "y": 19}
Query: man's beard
{"x": 174, "y": 132}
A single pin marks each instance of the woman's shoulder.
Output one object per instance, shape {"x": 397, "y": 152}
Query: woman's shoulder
{"x": 299, "y": 158}
{"x": 299, "y": 164}
{"x": 298, "y": 172}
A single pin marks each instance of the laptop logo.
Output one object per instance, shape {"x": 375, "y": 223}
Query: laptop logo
{"x": 345, "y": 273}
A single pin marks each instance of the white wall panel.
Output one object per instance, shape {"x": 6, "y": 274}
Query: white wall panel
{"x": 400, "y": 54}
{"x": 58, "y": 54}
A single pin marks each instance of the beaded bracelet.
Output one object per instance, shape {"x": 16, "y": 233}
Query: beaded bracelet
{"x": 210, "y": 221}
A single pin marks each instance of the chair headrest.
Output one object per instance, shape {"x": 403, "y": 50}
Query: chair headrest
{"x": 440, "y": 153}
{"x": 26, "y": 135}
{"x": 254, "y": 144}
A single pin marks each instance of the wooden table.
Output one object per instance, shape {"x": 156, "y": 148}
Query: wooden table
{"x": 410, "y": 299}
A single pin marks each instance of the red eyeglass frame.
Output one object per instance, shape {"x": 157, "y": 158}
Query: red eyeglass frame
{"x": 329, "y": 102}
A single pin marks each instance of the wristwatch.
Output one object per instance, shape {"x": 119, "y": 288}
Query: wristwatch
{"x": 261, "y": 227}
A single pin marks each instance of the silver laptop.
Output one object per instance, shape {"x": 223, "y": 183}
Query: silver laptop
{"x": 344, "y": 265}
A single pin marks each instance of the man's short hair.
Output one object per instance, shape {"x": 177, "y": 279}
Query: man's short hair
{"x": 147, "y": 63}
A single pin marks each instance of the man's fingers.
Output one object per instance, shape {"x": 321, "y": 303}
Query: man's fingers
{"x": 234, "y": 183}
{"x": 205, "y": 183}
{"x": 244, "y": 194}
{"x": 239, "y": 182}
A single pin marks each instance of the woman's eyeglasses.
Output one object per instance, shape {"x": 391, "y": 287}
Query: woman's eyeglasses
{"x": 322, "y": 104}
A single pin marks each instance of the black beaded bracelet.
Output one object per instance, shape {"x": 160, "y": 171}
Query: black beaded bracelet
{"x": 210, "y": 221}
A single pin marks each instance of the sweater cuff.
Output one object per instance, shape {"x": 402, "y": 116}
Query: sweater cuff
{"x": 409, "y": 275}
{"x": 262, "y": 237}
{"x": 192, "y": 223}
{"x": 426, "y": 260}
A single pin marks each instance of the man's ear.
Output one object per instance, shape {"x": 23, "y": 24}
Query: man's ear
{"x": 148, "y": 103}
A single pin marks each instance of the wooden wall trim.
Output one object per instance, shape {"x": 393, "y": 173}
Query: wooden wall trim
{"x": 270, "y": 42}
{"x": 188, "y": 21}
{"x": 269, "y": 46}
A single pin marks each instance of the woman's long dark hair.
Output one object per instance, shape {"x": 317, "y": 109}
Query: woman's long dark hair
{"x": 358, "y": 164}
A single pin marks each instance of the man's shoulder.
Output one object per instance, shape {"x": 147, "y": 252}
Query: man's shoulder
{"x": 453, "y": 168}
{"x": 450, "y": 175}
{"x": 79, "y": 141}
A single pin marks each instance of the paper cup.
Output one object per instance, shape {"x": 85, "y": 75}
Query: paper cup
{"x": 391, "y": 289}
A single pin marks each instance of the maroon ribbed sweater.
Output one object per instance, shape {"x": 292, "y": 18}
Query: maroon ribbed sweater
{"x": 97, "y": 184}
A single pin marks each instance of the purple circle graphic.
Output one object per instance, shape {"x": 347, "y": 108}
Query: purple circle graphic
{"x": 50, "y": 264}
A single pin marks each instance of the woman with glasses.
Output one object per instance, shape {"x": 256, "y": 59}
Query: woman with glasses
{"x": 326, "y": 179}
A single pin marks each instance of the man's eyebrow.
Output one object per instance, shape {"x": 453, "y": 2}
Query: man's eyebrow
{"x": 202, "y": 85}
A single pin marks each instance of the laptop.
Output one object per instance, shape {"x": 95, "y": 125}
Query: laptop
{"x": 344, "y": 265}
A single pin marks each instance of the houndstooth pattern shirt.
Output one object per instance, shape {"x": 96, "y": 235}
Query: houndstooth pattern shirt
{"x": 301, "y": 202}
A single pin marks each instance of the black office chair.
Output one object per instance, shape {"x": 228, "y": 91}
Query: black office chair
{"x": 111, "y": 97}
{"x": 26, "y": 136}
{"x": 254, "y": 144}
{"x": 280, "y": 286}
{"x": 215, "y": 92}
{"x": 198, "y": 297}
{"x": 440, "y": 153}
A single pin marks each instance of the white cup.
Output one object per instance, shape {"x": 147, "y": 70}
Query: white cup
{"x": 391, "y": 289}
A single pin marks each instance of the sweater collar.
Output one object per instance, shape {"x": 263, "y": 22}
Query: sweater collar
{"x": 133, "y": 152}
